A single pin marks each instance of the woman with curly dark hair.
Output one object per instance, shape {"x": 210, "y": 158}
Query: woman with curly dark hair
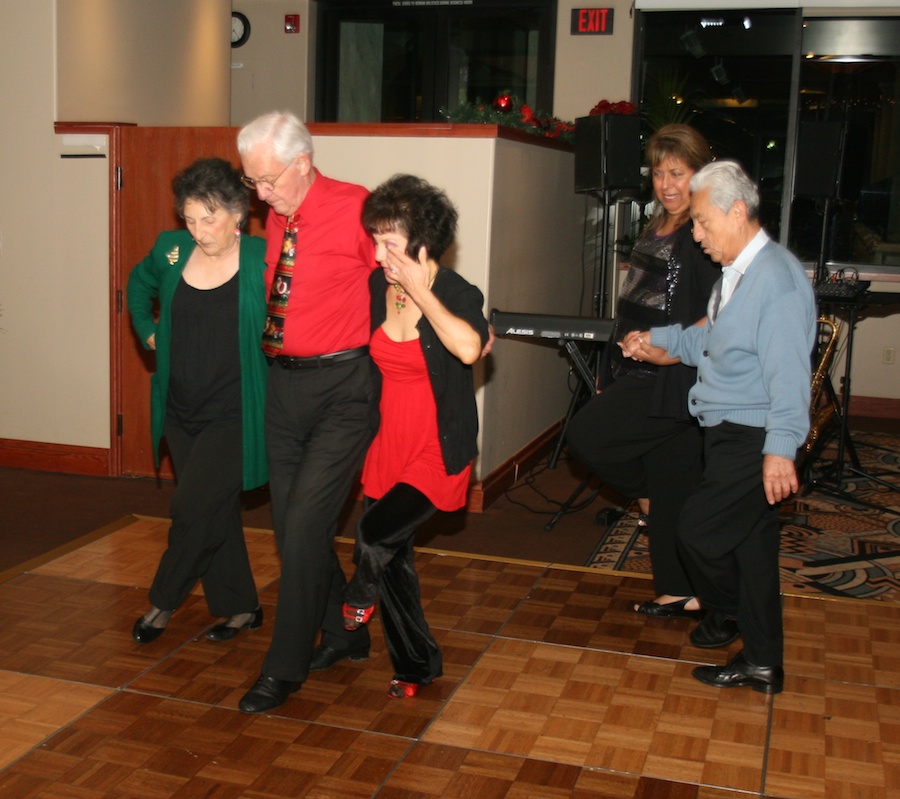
{"x": 428, "y": 329}
{"x": 207, "y": 394}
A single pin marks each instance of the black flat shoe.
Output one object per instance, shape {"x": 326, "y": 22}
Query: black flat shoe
{"x": 714, "y": 631}
{"x": 670, "y": 610}
{"x": 324, "y": 657}
{"x": 268, "y": 693}
{"x": 144, "y": 631}
{"x": 227, "y": 631}
{"x": 740, "y": 672}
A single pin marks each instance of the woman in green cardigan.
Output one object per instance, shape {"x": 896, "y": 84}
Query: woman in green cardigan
{"x": 207, "y": 394}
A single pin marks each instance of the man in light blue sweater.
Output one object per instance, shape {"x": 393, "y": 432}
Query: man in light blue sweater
{"x": 752, "y": 399}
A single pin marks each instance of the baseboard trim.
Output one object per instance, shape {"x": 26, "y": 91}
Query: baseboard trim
{"x": 874, "y": 407}
{"x": 491, "y": 487}
{"x": 64, "y": 458}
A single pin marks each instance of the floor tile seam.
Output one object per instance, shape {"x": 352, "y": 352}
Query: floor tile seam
{"x": 604, "y": 650}
{"x": 494, "y": 636}
{"x": 767, "y": 747}
{"x": 398, "y": 764}
{"x": 28, "y": 566}
{"x": 412, "y": 739}
{"x": 600, "y": 769}
{"x": 88, "y": 710}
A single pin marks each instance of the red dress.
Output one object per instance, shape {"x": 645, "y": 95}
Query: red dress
{"x": 406, "y": 448}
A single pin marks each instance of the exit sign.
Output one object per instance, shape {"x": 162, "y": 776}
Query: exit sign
{"x": 592, "y": 21}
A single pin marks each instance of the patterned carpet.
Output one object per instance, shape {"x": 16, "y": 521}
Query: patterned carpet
{"x": 835, "y": 545}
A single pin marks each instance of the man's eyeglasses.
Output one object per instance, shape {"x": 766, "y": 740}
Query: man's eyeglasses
{"x": 263, "y": 183}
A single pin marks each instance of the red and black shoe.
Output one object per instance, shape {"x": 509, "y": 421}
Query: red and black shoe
{"x": 400, "y": 689}
{"x": 354, "y": 618}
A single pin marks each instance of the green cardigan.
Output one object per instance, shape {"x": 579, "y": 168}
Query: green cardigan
{"x": 156, "y": 278}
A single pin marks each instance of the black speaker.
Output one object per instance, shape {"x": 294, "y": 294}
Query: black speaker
{"x": 607, "y": 152}
{"x": 819, "y": 156}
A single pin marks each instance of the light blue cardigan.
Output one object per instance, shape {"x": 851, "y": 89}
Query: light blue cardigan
{"x": 754, "y": 363}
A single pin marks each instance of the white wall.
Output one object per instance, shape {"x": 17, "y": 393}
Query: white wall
{"x": 591, "y": 68}
{"x": 274, "y": 70}
{"x": 54, "y": 308}
{"x": 164, "y": 62}
{"x": 519, "y": 242}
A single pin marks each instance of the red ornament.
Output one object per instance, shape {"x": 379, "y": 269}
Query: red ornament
{"x": 503, "y": 103}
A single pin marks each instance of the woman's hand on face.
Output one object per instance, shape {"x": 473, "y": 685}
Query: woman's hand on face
{"x": 409, "y": 274}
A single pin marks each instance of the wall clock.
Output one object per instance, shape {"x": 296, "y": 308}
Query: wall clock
{"x": 240, "y": 29}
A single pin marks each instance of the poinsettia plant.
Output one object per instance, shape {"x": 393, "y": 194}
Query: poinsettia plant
{"x": 620, "y": 107}
{"x": 506, "y": 109}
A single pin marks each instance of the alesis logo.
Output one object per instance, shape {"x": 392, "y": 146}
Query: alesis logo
{"x": 519, "y": 331}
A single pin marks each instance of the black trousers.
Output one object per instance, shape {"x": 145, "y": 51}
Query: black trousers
{"x": 639, "y": 455}
{"x": 385, "y": 568}
{"x": 730, "y": 536}
{"x": 319, "y": 423}
{"x": 206, "y": 539}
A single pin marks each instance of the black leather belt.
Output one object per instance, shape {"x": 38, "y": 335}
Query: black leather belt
{"x": 319, "y": 361}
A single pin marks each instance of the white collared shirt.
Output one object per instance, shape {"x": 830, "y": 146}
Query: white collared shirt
{"x": 733, "y": 273}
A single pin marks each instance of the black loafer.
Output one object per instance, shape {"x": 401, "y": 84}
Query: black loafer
{"x": 268, "y": 693}
{"x": 224, "y": 632}
{"x": 714, "y": 631}
{"x": 670, "y": 610}
{"x": 324, "y": 657}
{"x": 741, "y": 672}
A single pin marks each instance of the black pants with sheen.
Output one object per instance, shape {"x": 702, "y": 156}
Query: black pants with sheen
{"x": 385, "y": 568}
{"x": 319, "y": 423}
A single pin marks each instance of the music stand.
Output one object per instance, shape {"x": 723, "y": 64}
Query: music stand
{"x": 845, "y": 446}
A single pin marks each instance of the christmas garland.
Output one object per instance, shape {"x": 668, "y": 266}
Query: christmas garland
{"x": 507, "y": 110}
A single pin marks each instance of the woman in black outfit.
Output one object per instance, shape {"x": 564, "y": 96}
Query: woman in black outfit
{"x": 636, "y": 435}
{"x": 208, "y": 393}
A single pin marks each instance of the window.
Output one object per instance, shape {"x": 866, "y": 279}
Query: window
{"x": 730, "y": 74}
{"x": 849, "y": 107}
{"x": 405, "y": 60}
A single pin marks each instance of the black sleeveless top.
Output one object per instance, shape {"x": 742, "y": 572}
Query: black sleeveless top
{"x": 205, "y": 378}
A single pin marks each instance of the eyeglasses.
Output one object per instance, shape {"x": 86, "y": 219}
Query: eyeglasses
{"x": 263, "y": 183}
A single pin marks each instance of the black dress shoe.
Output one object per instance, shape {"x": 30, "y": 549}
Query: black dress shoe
{"x": 739, "y": 672}
{"x": 268, "y": 693}
{"x": 225, "y": 632}
{"x": 144, "y": 632}
{"x": 669, "y": 610}
{"x": 324, "y": 657}
{"x": 714, "y": 631}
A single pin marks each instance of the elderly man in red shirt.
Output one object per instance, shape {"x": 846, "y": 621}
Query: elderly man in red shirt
{"x": 321, "y": 400}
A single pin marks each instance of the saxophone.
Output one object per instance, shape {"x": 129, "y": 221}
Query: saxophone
{"x": 821, "y": 412}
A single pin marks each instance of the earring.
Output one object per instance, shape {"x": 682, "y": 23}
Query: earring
{"x": 237, "y": 232}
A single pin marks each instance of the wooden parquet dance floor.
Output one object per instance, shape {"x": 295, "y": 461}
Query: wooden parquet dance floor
{"x": 553, "y": 688}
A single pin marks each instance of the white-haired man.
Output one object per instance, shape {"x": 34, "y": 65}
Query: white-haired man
{"x": 321, "y": 399}
{"x": 752, "y": 399}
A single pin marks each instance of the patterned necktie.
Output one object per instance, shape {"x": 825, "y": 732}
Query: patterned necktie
{"x": 273, "y": 335}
